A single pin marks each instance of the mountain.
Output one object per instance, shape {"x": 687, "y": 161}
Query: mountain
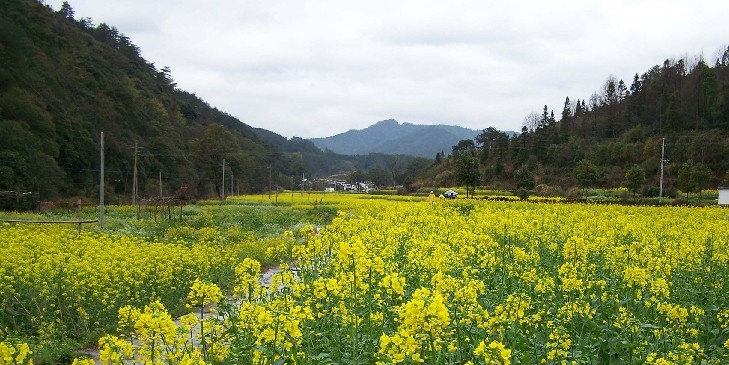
{"x": 320, "y": 163}
{"x": 391, "y": 137}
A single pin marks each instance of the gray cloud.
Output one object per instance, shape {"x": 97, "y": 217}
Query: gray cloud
{"x": 322, "y": 67}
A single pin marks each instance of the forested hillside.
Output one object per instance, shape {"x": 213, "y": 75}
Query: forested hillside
{"x": 62, "y": 81}
{"x": 595, "y": 141}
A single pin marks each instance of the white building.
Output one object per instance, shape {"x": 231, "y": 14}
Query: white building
{"x": 724, "y": 196}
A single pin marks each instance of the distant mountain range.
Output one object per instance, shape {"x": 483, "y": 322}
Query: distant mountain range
{"x": 391, "y": 137}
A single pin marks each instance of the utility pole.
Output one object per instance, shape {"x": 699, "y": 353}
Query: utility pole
{"x": 160, "y": 184}
{"x": 269, "y": 182}
{"x": 134, "y": 183}
{"x": 222, "y": 187}
{"x": 101, "y": 183}
{"x": 663, "y": 159}
{"x": 231, "y": 183}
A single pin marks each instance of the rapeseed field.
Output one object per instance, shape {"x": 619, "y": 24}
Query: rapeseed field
{"x": 391, "y": 282}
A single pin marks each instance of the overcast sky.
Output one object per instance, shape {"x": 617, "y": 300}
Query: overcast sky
{"x": 318, "y": 68}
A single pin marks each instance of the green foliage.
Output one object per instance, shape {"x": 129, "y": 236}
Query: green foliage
{"x": 524, "y": 178}
{"x": 356, "y": 176}
{"x": 522, "y": 193}
{"x": 701, "y": 176}
{"x": 464, "y": 146}
{"x": 467, "y": 171}
{"x": 692, "y": 178}
{"x": 634, "y": 179}
{"x": 379, "y": 177}
{"x": 586, "y": 174}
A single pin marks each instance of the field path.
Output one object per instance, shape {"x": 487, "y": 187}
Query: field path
{"x": 265, "y": 280}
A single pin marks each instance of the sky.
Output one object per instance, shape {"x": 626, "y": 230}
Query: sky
{"x": 319, "y": 68}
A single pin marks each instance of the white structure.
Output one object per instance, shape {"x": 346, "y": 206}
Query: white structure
{"x": 724, "y": 196}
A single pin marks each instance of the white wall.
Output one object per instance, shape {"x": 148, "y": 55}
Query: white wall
{"x": 724, "y": 196}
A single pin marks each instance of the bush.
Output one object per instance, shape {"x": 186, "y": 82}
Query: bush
{"x": 523, "y": 194}
{"x": 650, "y": 191}
{"x": 670, "y": 192}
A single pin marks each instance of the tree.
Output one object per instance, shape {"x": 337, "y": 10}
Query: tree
{"x": 417, "y": 166}
{"x": 610, "y": 91}
{"x": 634, "y": 179}
{"x": 622, "y": 91}
{"x": 66, "y": 11}
{"x": 544, "y": 120}
{"x": 467, "y": 171}
{"x": 567, "y": 110}
{"x": 531, "y": 122}
{"x": 594, "y": 102}
{"x": 636, "y": 86}
{"x": 414, "y": 169}
{"x": 463, "y": 146}
{"x": 685, "y": 179}
{"x": 356, "y": 176}
{"x": 438, "y": 158}
{"x": 707, "y": 95}
{"x": 489, "y": 137}
{"x": 586, "y": 174}
{"x": 701, "y": 175}
{"x": 378, "y": 176}
{"x": 723, "y": 59}
{"x": 524, "y": 178}
{"x": 491, "y": 141}
{"x": 392, "y": 163}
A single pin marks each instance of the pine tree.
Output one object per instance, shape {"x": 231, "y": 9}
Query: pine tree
{"x": 567, "y": 110}
{"x": 67, "y": 11}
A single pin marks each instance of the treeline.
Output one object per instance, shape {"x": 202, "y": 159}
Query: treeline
{"x": 617, "y": 129}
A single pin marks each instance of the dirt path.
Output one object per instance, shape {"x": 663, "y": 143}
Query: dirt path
{"x": 265, "y": 280}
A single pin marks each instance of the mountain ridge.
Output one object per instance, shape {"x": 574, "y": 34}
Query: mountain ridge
{"x": 391, "y": 136}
